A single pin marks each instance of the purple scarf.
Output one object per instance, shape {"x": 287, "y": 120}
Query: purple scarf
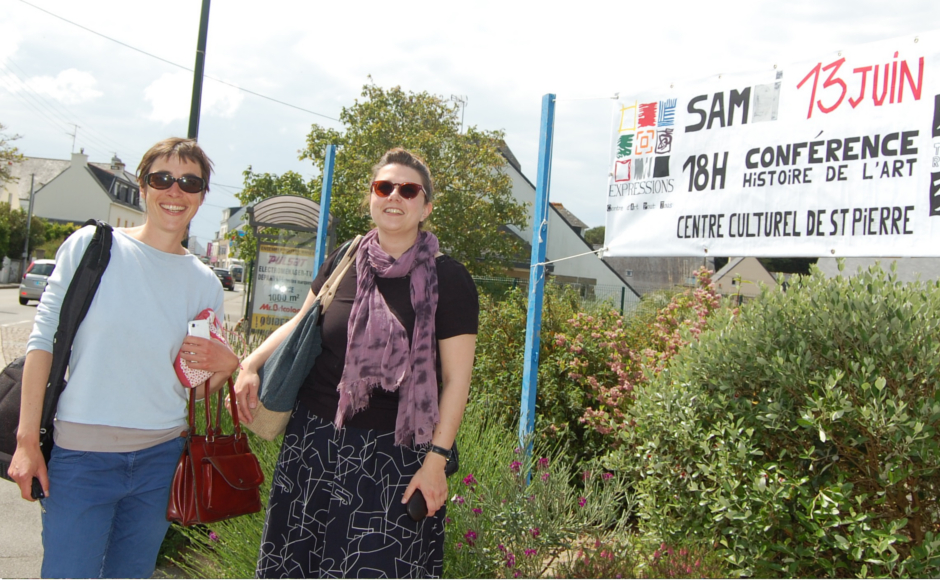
{"x": 377, "y": 351}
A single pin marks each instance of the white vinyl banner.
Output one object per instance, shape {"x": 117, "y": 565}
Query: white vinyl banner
{"x": 838, "y": 156}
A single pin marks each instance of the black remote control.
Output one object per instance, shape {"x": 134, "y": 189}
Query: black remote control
{"x": 417, "y": 507}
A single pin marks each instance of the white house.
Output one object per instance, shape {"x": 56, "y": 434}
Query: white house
{"x": 232, "y": 221}
{"x": 83, "y": 191}
{"x": 565, "y": 239}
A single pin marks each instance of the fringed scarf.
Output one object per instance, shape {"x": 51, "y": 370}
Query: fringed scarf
{"x": 377, "y": 351}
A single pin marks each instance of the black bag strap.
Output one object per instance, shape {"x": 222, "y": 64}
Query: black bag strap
{"x": 75, "y": 306}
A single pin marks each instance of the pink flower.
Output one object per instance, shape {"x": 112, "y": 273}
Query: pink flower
{"x": 457, "y": 499}
{"x": 535, "y": 532}
{"x": 477, "y": 511}
{"x": 470, "y": 536}
{"x": 586, "y": 475}
{"x": 510, "y": 560}
{"x": 545, "y": 476}
{"x": 515, "y": 466}
{"x": 607, "y": 476}
{"x": 470, "y": 480}
{"x": 582, "y": 501}
{"x": 530, "y": 552}
{"x": 459, "y": 545}
{"x": 213, "y": 536}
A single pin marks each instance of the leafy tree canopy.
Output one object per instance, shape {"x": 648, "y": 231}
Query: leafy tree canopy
{"x": 473, "y": 193}
{"x": 13, "y": 232}
{"x": 8, "y": 153}
{"x": 258, "y": 187}
{"x": 595, "y": 235}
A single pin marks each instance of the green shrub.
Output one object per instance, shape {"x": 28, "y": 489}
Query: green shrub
{"x": 800, "y": 433}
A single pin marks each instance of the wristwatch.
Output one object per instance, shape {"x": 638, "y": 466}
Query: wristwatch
{"x": 441, "y": 451}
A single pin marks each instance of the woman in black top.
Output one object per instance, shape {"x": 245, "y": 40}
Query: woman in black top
{"x": 381, "y": 408}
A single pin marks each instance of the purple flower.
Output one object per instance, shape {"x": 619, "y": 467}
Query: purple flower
{"x": 477, "y": 511}
{"x": 543, "y": 462}
{"x": 530, "y": 552}
{"x": 458, "y": 499}
{"x": 582, "y": 501}
{"x": 459, "y": 545}
{"x": 535, "y": 532}
{"x": 448, "y": 520}
{"x": 501, "y": 548}
{"x": 517, "y": 450}
{"x": 510, "y": 560}
{"x": 214, "y": 536}
{"x": 545, "y": 476}
{"x": 607, "y": 476}
{"x": 470, "y": 536}
{"x": 515, "y": 466}
{"x": 470, "y": 480}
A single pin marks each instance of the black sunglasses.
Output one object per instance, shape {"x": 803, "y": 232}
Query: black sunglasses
{"x": 406, "y": 190}
{"x": 187, "y": 183}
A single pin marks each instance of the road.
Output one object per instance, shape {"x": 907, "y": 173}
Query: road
{"x": 21, "y": 528}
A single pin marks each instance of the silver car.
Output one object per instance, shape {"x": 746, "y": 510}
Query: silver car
{"x": 34, "y": 281}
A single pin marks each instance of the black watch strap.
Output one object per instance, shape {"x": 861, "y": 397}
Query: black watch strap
{"x": 441, "y": 451}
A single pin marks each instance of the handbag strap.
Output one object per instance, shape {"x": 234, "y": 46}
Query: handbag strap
{"x": 328, "y": 291}
{"x": 212, "y": 431}
{"x": 75, "y": 304}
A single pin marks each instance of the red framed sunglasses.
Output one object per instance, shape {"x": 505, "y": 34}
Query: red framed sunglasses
{"x": 406, "y": 190}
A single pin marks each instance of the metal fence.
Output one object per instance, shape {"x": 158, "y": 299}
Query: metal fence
{"x": 590, "y": 294}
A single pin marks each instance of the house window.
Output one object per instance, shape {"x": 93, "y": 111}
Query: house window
{"x": 734, "y": 282}
{"x": 629, "y": 273}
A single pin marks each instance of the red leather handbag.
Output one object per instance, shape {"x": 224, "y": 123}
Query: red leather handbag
{"x": 218, "y": 477}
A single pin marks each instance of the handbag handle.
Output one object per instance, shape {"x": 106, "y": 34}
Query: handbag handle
{"x": 211, "y": 431}
{"x": 328, "y": 291}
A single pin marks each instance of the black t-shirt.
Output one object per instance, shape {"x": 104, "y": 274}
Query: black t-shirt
{"x": 458, "y": 311}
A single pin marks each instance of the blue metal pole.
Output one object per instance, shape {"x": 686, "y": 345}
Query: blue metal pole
{"x": 530, "y": 372}
{"x": 325, "y": 194}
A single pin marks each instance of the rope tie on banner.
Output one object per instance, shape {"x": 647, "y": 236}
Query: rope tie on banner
{"x": 604, "y": 249}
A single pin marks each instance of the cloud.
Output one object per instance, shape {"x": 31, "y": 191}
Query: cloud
{"x": 170, "y": 97}
{"x": 70, "y": 86}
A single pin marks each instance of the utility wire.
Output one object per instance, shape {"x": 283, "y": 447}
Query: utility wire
{"x": 124, "y": 44}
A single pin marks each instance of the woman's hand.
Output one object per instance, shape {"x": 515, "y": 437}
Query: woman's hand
{"x": 208, "y": 354}
{"x": 432, "y": 482}
{"x": 27, "y": 463}
{"x": 246, "y": 394}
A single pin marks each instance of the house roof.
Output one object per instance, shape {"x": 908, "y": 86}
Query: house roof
{"x": 45, "y": 171}
{"x": 727, "y": 268}
{"x": 571, "y": 219}
{"x": 106, "y": 178}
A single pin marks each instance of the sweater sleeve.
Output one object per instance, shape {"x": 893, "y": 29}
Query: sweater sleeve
{"x": 67, "y": 260}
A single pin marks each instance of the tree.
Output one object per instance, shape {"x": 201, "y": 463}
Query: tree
{"x": 472, "y": 192}
{"x": 13, "y": 231}
{"x": 258, "y": 187}
{"x": 8, "y": 154}
{"x": 595, "y": 236}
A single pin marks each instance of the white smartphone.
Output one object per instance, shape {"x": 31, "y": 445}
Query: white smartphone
{"x": 198, "y": 328}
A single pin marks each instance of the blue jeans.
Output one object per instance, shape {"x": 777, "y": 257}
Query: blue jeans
{"x": 105, "y": 516}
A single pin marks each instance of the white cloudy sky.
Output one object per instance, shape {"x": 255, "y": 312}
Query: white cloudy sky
{"x": 316, "y": 56}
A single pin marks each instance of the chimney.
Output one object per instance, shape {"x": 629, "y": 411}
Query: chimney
{"x": 79, "y": 159}
{"x": 116, "y": 164}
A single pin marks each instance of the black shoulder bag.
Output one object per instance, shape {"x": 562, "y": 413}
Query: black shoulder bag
{"x": 74, "y": 307}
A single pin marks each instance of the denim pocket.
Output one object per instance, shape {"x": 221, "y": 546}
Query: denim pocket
{"x": 66, "y": 456}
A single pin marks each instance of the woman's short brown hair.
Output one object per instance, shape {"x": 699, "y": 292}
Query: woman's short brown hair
{"x": 183, "y": 149}
{"x": 399, "y": 156}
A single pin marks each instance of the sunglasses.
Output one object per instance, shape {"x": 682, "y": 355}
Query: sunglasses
{"x": 406, "y": 190}
{"x": 187, "y": 183}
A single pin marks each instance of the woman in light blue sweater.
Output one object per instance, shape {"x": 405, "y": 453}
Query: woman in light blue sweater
{"x": 119, "y": 421}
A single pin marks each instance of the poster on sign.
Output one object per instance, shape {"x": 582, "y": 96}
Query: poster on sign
{"x": 282, "y": 282}
{"x": 836, "y": 156}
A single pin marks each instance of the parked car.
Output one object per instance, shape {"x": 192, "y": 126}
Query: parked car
{"x": 237, "y": 273}
{"x": 34, "y": 280}
{"x": 225, "y": 277}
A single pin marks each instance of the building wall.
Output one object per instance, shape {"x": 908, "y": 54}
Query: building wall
{"x": 752, "y": 275}
{"x": 75, "y": 195}
{"x": 123, "y": 216}
{"x": 564, "y": 242}
{"x": 652, "y": 274}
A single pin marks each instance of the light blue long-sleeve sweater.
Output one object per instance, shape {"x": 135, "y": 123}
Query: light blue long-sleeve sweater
{"x": 121, "y": 370}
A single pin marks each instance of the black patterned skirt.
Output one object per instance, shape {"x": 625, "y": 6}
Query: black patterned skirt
{"x": 335, "y": 509}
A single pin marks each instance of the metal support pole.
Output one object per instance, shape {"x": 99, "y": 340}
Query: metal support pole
{"x": 530, "y": 371}
{"x": 198, "y": 72}
{"x": 29, "y": 223}
{"x": 325, "y": 194}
